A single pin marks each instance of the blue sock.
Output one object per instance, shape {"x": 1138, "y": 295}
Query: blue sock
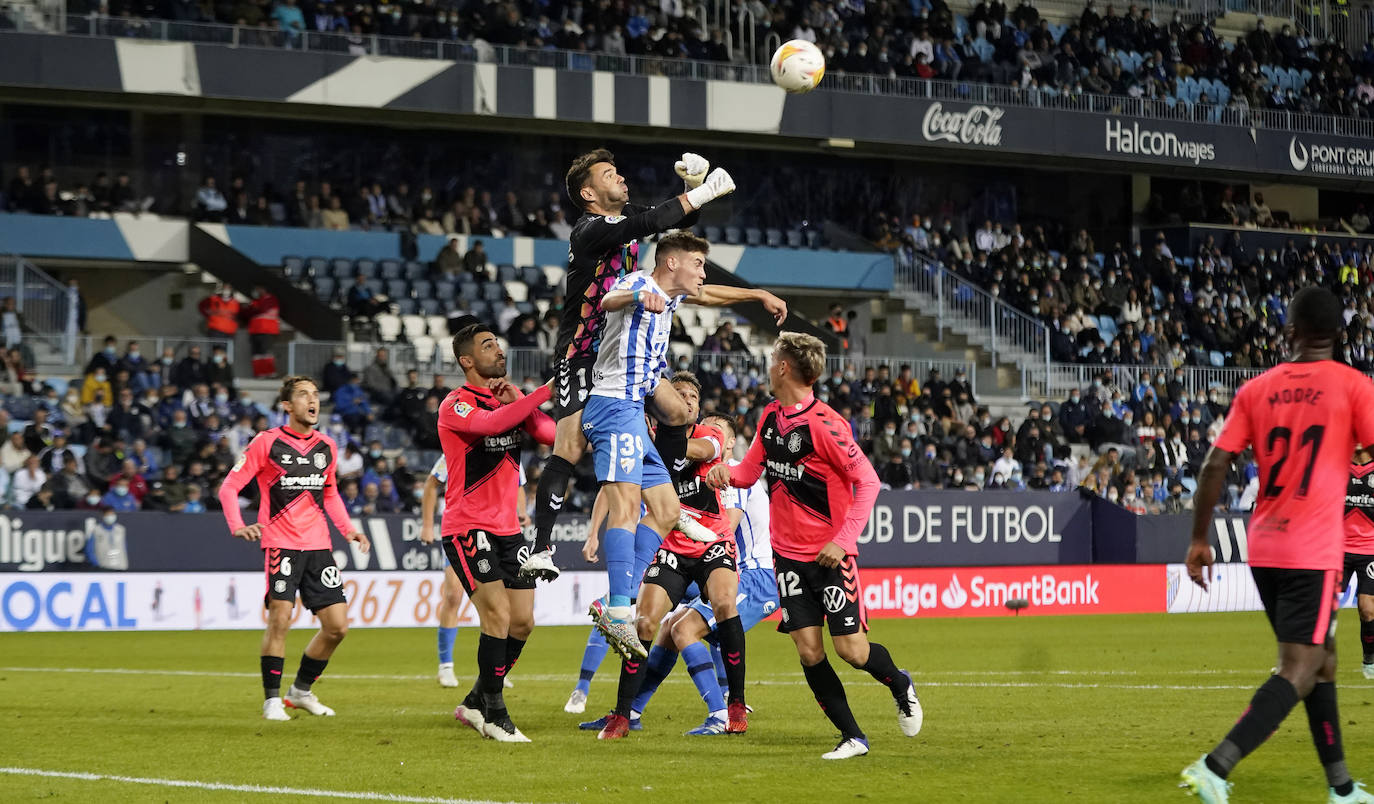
{"x": 703, "y": 670}
{"x": 661, "y": 661}
{"x": 446, "y": 639}
{"x": 647, "y": 542}
{"x": 720, "y": 665}
{"x": 620, "y": 561}
{"x": 591, "y": 660}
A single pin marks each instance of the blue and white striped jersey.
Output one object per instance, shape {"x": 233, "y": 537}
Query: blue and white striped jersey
{"x": 634, "y": 344}
{"x": 751, "y": 537}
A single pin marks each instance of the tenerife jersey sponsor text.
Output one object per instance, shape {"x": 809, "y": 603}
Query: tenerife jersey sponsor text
{"x": 482, "y": 439}
{"x": 751, "y": 537}
{"x": 295, "y": 475}
{"x": 706, "y": 505}
{"x": 1359, "y": 510}
{"x": 808, "y": 455}
{"x": 634, "y": 351}
{"x": 1303, "y": 420}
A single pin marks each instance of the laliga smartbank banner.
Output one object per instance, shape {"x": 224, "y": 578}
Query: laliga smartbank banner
{"x": 985, "y": 591}
{"x": 86, "y": 601}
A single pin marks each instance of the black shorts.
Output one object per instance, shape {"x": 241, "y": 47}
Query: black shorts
{"x": 481, "y": 557}
{"x": 572, "y": 384}
{"x": 1362, "y": 567}
{"x": 674, "y": 572}
{"x": 1301, "y": 604}
{"x": 809, "y": 594}
{"x": 311, "y": 572}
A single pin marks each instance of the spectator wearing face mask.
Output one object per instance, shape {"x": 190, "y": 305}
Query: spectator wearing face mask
{"x": 220, "y": 371}
{"x": 96, "y": 387}
{"x": 119, "y": 497}
{"x": 336, "y": 373}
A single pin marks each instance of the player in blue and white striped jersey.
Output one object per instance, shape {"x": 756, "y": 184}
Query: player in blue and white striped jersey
{"x": 634, "y": 348}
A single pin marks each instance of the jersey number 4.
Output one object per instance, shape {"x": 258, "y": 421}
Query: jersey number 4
{"x": 1282, "y": 437}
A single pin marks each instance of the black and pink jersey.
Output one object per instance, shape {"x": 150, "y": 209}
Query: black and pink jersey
{"x": 295, "y": 474}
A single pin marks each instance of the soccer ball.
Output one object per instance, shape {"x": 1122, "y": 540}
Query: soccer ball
{"x": 797, "y": 66}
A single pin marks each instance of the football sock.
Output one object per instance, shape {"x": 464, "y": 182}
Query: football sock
{"x": 829, "y": 692}
{"x": 271, "y": 675}
{"x": 491, "y": 672}
{"x": 514, "y": 647}
{"x": 620, "y": 561}
{"x": 309, "y": 671}
{"x": 548, "y": 499}
{"x": 647, "y": 542}
{"x": 731, "y": 635}
{"x": 631, "y": 676}
{"x": 697, "y": 657}
{"x": 1272, "y": 702}
{"x": 671, "y": 443}
{"x": 1367, "y": 640}
{"x": 1324, "y": 720}
{"x": 881, "y": 667}
{"x": 720, "y": 665}
{"x": 592, "y": 657}
{"x": 660, "y": 664}
{"x": 447, "y": 636}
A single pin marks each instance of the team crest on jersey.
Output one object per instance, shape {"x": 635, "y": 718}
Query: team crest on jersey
{"x": 627, "y": 465}
{"x": 834, "y": 599}
{"x": 320, "y": 460}
{"x": 614, "y": 218}
{"x": 794, "y": 442}
{"x": 462, "y": 409}
{"x": 768, "y": 607}
{"x": 329, "y": 576}
{"x": 483, "y": 566}
{"x": 280, "y": 586}
{"x": 652, "y": 572}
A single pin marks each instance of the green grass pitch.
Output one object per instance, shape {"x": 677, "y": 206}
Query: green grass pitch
{"x": 1100, "y": 709}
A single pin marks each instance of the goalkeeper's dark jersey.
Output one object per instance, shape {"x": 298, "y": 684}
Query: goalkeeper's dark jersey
{"x": 601, "y": 249}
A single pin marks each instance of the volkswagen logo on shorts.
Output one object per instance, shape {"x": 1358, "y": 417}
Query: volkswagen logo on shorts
{"x": 1369, "y": 570}
{"x": 329, "y": 576}
{"x": 834, "y": 599}
{"x": 523, "y": 554}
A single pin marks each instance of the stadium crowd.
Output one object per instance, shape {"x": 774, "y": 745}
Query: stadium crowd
{"x": 1106, "y": 51}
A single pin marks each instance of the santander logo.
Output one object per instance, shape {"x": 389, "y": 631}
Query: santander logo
{"x": 954, "y": 596}
{"x": 977, "y": 126}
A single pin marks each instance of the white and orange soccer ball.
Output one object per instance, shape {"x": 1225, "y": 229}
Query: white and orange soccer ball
{"x": 797, "y": 66}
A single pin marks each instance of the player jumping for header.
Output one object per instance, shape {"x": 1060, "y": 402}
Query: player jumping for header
{"x": 294, "y": 466}
{"x": 603, "y": 247}
{"x": 1303, "y": 419}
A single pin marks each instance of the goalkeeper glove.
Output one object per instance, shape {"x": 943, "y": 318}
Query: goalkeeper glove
{"x": 717, "y": 184}
{"x": 693, "y": 169}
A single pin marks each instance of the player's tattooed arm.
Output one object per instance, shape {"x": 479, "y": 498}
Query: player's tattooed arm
{"x": 1209, "y": 483}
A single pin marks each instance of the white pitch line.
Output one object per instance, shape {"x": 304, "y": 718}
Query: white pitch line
{"x": 360, "y": 795}
{"x": 767, "y": 680}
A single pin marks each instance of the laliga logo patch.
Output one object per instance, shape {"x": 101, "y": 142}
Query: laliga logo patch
{"x": 785, "y": 617}
{"x": 320, "y": 460}
{"x": 462, "y": 409}
{"x": 329, "y": 576}
{"x": 794, "y": 442}
{"x": 834, "y": 599}
{"x": 243, "y": 458}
